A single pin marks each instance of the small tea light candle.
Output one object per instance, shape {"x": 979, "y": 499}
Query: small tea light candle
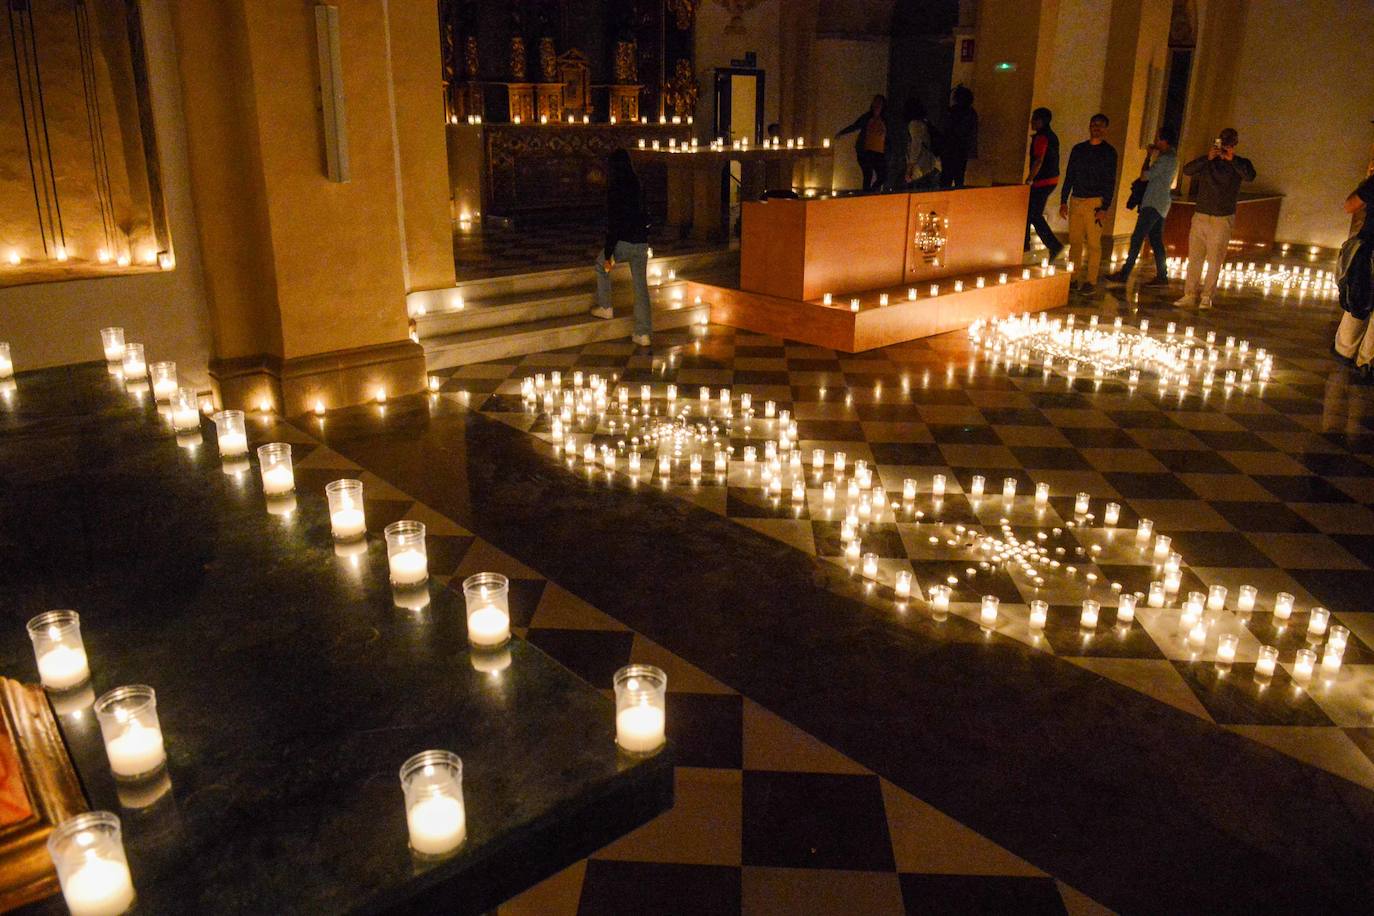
{"x": 436, "y": 817}
{"x": 59, "y": 650}
{"x": 1088, "y": 618}
{"x": 1144, "y": 529}
{"x": 1316, "y": 621}
{"x": 488, "y": 609}
{"x": 1080, "y": 504}
{"x": 1111, "y": 514}
{"x": 1125, "y": 608}
{"x": 939, "y": 598}
{"x": 274, "y": 460}
{"x": 112, "y": 342}
{"x": 231, "y": 433}
{"x": 131, "y": 731}
{"x": 987, "y": 615}
{"x": 347, "y": 520}
{"x": 1283, "y": 606}
{"x": 1226, "y": 649}
{"x": 1245, "y": 598}
{"x": 1303, "y": 664}
{"x": 1216, "y": 598}
{"x": 937, "y": 486}
{"x": 164, "y": 377}
{"x": 1156, "y": 594}
{"x": 135, "y": 367}
{"x": 406, "y": 555}
{"x": 88, "y": 854}
{"x": 902, "y": 586}
{"x": 1264, "y": 664}
{"x": 1008, "y": 487}
{"x": 640, "y": 701}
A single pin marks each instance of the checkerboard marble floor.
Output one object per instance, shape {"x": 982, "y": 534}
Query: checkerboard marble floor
{"x": 1270, "y": 486}
{"x": 492, "y": 250}
{"x": 766, "y": 820}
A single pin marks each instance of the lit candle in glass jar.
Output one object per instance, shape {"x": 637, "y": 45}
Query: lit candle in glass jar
{"x": 870, "y": 565}
{"x": 88, "y": 853}
{"x": 135, "y": 368}
{"x": 987, "y": 615}
{"x": 164, "y": 377}
{"x": 346, "y": 510}
{"x": 902, "y": 587}
{"x": 1264, "y": 664}
{"x": 1226, "y": 649}
{"x": 1111, "y": 514}
{"x": 1216, "y": 598}
{"x": 1087, "y": 619}
{"x": 1283, "y": 606}
{"x": 488, "y": 609}
{"x": 937, "y": 486}
{"x": 1156, "y": 594}
{"x": 274, "y": 460}
{"x": 131, "y": 731}
{"x": 1144, "y": 529}
{"x": 1303, "y": 664}
{"x": 1162, "y": 544}
{"x": 1245, "y": 599}
{"x": 640, "y": 695}
{"x": 1008, "y": 487}
{"x": 112, "y": 341}
{"x": 407, "y": 557}
{"x": 1331, "y": 658}
{"x": 1042, "y": 494}
{"x": 840, "y": 459}
{"x": 59, "y": 650}
{"x": 939, "y": 598}
{"x": 1316, "y": 621}
{"x": 1125, "y": 608}
{"x": 436, "y": 818}
{"x": 976, "y": 486}
{"x": 1039, "y": 614}
{"x": 231, "y": 433}
{"x": 1080, "y": 504}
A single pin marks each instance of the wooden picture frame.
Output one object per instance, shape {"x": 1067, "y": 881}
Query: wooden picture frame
{"x": 34, "y": 759}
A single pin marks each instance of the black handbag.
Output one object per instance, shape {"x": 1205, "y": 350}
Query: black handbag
{"x": 1137, "y": 193}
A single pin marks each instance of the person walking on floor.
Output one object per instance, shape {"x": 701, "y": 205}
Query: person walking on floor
{"x": 1161, "y": 163}
{"x": 960, "y": 141}
{"x": 1042, "y": 175}
{"x": 1085, "y": 197}
{"x": 1354, "y": 336}
{"x": 871, "y": 144}
{"x": 627, "y": 240}
{"x": 1218, "y": 175}
{"x": 921, "y": 172}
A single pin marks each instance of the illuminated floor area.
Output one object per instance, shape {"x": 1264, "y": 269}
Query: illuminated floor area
{"x": 1123, "y": 761}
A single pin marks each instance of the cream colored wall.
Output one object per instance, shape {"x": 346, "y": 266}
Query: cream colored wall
{"x": 1023, "y": 33}
{"x": 57, "y": 323}
{"x": 1302, "y": 105}
{"x": 1138, "y": 47}
{"x": 852, "y": 72}
{"x": 715, "y": 49}
{"x": 1074, "y": 90}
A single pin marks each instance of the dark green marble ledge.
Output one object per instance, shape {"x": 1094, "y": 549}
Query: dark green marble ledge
{"x": 290, "y": 688}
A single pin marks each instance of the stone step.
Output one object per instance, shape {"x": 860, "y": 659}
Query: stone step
{"x": 522, "y": 309}
{"x": 476, "y": 346}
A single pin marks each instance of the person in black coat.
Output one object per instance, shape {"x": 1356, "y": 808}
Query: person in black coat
{"x": 960, "y": 141}
{"x": 627, "y": 240}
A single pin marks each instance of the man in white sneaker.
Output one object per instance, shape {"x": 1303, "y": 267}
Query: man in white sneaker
{"x": 1218, "y": 175}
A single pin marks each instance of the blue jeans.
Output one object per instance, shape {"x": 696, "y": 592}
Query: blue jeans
{"x": 636, "y": 254}
{"x": 1148, "y": 223}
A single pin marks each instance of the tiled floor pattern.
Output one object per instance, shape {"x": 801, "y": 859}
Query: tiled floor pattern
{"x": 767, "y": 819}
{"x": 1268, "y": 486}
{"x": 493, "y": 250}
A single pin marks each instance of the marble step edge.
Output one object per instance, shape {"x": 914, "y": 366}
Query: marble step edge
{"x": 558, "y": 280}
{"x": 478, "y": 346}
{"x": 524, "y": 309}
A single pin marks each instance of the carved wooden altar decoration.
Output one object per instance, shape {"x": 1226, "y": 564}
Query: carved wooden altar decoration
{"x": 575, "y": 75}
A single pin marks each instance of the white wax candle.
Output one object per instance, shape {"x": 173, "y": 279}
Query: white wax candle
{"x": 1156, "y": 598}
{"x": 1316, "y": 622}
{"x": 409, "y": 567}
{"x": 1216, "y": 598}
{"x": 1331, "y": 660}
{"x": 348, "y": 524}
{"x": 63, "y": 667}
{"x": 1264, "y": 666}
{"x": 939, "y": 598}
{"x": 1283, "y": 606}
{"x": 988, "y": 613}
{"x": 1039, "y": 614}
{"x": 639, "y": 728}
{"x": 437, "y": 825}
{"x": 185, "y": 418}
{"x": 1088, "y": 619}
{"x": 278, "y": 480}
{"x": 937, "y": 485}
{"x": 1303, "y": 664}
{"x": 978, "y": 483}
{"x": 1111, "y": 514}
{"x": 164, "y": 388}
{"x": 1246, "y": 599}
{"x": 114, "y": 354}
{"x": 136, "y": 750}
{"x": 1125, "y": 609}
{"x": 488, "y": 626}
{"x": 99, "y": 887}
{"x": 231, "y": 445}
{"x": 1226, "y": 648}
{"x": 902, "y": 587}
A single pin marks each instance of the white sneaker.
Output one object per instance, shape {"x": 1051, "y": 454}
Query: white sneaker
{"x": 601, "y": 311}
{"x": 1187, "y": 302}
{"x": 642, "y": 340}
{"x": 1205, "y": 304}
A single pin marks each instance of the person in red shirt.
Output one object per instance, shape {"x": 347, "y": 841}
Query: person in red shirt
{"x": 1042, "y": 176}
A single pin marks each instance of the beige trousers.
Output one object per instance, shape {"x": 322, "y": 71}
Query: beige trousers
{"x": 1085, "y": 233}
{"x": 1355, "y": 339}
{"x": 1207, "y": 241}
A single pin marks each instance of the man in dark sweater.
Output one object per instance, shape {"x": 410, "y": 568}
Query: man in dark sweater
{"x": 1217, "y": 178}
{"x": 1042, "y": 175}
{"x": 1085, "y": 196}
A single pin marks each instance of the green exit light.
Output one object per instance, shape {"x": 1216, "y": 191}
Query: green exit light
{"x": 1006, "y": 66}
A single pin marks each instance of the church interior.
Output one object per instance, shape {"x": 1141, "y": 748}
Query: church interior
{"x": 757, "y": 457}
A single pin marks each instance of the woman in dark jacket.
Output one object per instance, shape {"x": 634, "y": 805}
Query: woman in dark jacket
{"x": 1355, "y": 282}
{"x": 627, "y": 240}
{"x": 871, "y": 144}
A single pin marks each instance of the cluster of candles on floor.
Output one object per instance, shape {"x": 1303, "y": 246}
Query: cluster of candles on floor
{"x": 1097, "y": 350}
{"x": 856, "y": 303}
{"x": 1267, "y": 278}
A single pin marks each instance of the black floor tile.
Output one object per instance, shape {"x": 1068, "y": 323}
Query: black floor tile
{"x": 1262, "y": 517}
{"x": 593, "y": 655}
{"x": 1236, "y": 698}
{"x": 706, "y": 729}
{"x": 1219, "y": 548}
{"x": 1302, "y": 488}
{"x": 613, "y": 888}
{"x": 957, "y": 895}
{"x": 815, "y": 820}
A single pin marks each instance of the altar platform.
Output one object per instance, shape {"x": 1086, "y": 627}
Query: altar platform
{"x": 290, "y": 685}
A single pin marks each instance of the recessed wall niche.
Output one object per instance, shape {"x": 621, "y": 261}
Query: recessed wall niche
{"x": 80, "y": 193}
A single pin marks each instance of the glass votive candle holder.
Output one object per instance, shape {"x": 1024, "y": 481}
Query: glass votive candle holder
{"x": 828, "y": 491}
{"x": 1039, "y": 614}
{"x": 1111, "y": 514}
{"x": 274, "y": 465}
{"x": 1156, "y": 594}
{"x": 1193, "y": 606}
{"x": 135, "y": 366}
{"x": 937, "y": 486}
{"x": 1266, "y": 661}
{"x": 1125, "y": 608}
{"x": 1303, "y": 664}
{"x": 436, "y": 817}
{"x": 1087, "y": 619}
{"x": 1216, "y": 598}
{"x": 1080, "y": 504}
{"x": 58, "y": 650}
{"x": 1338, "y": 637}
{"x": 1317, "y": 620}
{"x": 1008, "y": 487}
{"x": 640, "y": 708}
{"x": 908, "y": 489}
{"x": 1331, "y": 658}
{"x": 870, "y": 564}
{"x": 112, "y": 342}
{"x": 1226, "y": 649}
{"x": 1245, "y": 598}
{"x": 406, "y": 555}
{"x": 347, "y": 515}
{"x": 164, "y": 379}
{"x": 488, "y": 609}
{"x": 1283, "y": 606}
{"x": 817, "y": 459}
{"x": 939, "y": 598}
{"x": 987, "y": 615}
{"x": 976, "y": 486}
{"x": 87, "y": 852}
{"x": 902, "y": 586}
{"x": 1144, "y": 529}
{"x": 131, "y": 731}
{"x": 1173, "y": 579}
{"x": 1042, "y": 493}
{"x": 231, "y": 433}
{"x": 1162, "y": 545}
{"x": 185, "y": 411}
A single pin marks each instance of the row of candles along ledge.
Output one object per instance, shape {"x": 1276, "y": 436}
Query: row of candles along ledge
{"x": 475, "y": 119}
{"x": 718, "y": 144}
{"x": 980, "y": 282}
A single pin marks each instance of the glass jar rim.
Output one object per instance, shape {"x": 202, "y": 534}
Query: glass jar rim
{"x": 134, "y": 698}
{"x": 220, "y": 416}
{"x": 66, "y": 621}
{"x": 274, "y": 450}
{"x": 492, "y": 581}
{"x": 657, "y": 677}
{"x": 345, "y": 485}
{"x": 432, "y": 758}
{"x": 103, "y": 821}
{"x": 405, "y": 530}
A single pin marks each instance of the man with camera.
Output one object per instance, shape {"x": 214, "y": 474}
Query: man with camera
{"x": 1218, "y": 176}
